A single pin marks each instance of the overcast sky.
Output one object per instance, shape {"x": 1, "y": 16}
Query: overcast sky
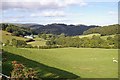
{"x": 92, "y": 12}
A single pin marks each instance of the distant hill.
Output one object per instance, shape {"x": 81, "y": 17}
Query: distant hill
{"x": 70, "y": 30}
{"x": 104, "y": 30}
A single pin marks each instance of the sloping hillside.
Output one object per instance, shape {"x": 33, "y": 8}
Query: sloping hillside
{"x": 7, "y": 36}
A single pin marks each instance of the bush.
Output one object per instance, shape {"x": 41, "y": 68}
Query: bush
{"x": 20, "y": 71}
{"x": 18, "y": 43}
{"x": 48, "y": 47}
{"x": 28, "y": 46}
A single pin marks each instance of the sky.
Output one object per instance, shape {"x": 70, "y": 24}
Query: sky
{"x": 88, "y": 12}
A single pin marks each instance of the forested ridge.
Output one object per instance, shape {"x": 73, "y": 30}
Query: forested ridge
{"x": 57, "y": 29}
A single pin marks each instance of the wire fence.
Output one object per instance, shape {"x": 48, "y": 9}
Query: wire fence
{"x": 4, "y": 76}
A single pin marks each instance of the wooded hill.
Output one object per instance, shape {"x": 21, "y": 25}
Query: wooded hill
{"x": 69, "y": 30}
{"x": 57, "y": 29}
{"x": 104, "y": 30}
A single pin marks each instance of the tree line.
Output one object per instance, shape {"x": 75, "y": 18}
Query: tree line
{"x": 62, "y": 41}
{"x": 86, "y": 42}
{"x": 18, "y": 43}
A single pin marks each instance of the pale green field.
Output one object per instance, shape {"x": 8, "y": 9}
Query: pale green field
{"x": 89, "y": 35}
{"x": 38, "y": 43}
{"x": 83, "y": 62}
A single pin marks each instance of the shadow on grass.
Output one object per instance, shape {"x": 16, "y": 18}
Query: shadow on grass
{"x": 44, "y": 71}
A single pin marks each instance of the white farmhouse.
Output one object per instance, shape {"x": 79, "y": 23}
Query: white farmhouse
{"x": 29, "y": 37}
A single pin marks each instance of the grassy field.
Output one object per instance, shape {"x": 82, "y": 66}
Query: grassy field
{"x": 38, "y": 41}
{"x": 89, "y": 35}
{"x": 66, "y": 62}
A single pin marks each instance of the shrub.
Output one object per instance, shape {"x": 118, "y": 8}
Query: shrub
{"x": 28, "y": 46}
{"x": 20, "y": 71}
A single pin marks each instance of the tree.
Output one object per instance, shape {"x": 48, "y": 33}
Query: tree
{"x": 43, "y": 36}
{"x": 48, "y": 43}
{"x": 11, "y": 28}
{"x": 7, "y": 42}
{"x": 51, "y": 42}
{"x": 96, "y": 41}
{"x": 110, "y": 41}
{"x": 14, "y": 42}
{"x": 117, "y": 41}
{"x": 39, "y": 35}
{"x": 3, "y": 26}
{"x": 105, "y": 44}
{"x": 21, "y": 43}
{"x": 16, "y": 33}
{"x": 18, "y": 43}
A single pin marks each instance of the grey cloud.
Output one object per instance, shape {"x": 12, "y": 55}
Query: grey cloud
{"x": 29, "y": 5}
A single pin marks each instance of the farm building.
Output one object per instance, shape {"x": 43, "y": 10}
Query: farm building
{"x": 29, "y": 37}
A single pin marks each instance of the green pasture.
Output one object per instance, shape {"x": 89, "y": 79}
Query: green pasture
{"x": 65, "y": 62}
{"x": 89, "y": 35}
